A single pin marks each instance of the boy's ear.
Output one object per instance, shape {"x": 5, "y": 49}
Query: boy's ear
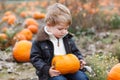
{"x": 48, "y": 24}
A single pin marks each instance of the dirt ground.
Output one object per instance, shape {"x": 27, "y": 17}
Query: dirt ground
{"x": 12, "y": 70}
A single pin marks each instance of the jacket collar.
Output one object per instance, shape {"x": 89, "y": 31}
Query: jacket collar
{"x": 42, "y": 35}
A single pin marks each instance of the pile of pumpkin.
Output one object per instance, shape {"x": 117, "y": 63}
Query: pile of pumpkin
{"x": 21, "y": 50}
{"x": 30, "y": 24}
{"x": 20, "y": 39}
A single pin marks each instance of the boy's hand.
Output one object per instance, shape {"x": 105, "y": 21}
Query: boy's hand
{"x": 82, "y": 63}
{"x": 53, "y": 72}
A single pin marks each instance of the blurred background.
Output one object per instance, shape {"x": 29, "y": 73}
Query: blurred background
{"x": 95, "y": 25}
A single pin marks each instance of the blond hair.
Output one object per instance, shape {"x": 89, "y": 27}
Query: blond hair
{"x": 57, "y": 14}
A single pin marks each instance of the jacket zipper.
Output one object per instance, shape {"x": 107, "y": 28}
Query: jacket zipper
{"x": 58, "y": 43}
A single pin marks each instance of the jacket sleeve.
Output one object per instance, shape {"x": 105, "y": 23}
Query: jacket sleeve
{"x": 75, "y": 50}
{"x": 36, "y": 59}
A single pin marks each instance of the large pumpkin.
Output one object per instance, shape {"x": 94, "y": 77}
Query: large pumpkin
{"x": 66, "y": 63}
{"x": 114, "y": 73}
{"x": 21, "y": 51}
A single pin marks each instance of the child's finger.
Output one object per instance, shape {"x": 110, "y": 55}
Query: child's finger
{"x": 52, "y": 67}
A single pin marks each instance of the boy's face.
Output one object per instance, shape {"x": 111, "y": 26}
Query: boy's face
{"x": 59, "y": 30}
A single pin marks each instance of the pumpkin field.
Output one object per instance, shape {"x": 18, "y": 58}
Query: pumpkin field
{"x": 95, "y": 27}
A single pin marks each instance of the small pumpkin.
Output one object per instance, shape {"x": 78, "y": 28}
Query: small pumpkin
{"x": 19, "y": 37}
{"x": 7, "y": 13}
{"x": 11, "y": 19}
{"x": 66, "y": 63}
{"x": 5, "y": 18}
{"x": 38, "y": 15}
{"x": 27, "y": 33}
{"x": 30, "y": 21}
{"x": 21, "y": 51}
{"x": 23, "y": 14}
{"x": 114, "y": 73}
{"x": 3, "y": 36}
{"x": 33, "y": 28}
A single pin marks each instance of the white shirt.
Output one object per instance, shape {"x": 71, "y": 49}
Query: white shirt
{"x": 59, "y": 48}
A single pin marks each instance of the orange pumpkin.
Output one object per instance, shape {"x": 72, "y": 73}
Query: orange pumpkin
{"x": 44, "y": 4}
{"x": 11, "y": 19}
{"x": 27, "y": 33}
{"x": 38, "y": 15}
{"x": 7, "y": 13}
{"x": 23, "y": 14}
{"x": 5, "y": 18}
{"x": 19, "y": 37}
{"x": 3, "y": 36}
{"x": 31, "y": 21}
{"x": 66, "y": 63}
{"x": 33, "y": 28}
{"x": 21, "y": 51}
{"x": 114, "y": 73}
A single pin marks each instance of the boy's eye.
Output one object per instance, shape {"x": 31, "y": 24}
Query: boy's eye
{"x": 63, "y": 29}
{"x": 59, "y": 29}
